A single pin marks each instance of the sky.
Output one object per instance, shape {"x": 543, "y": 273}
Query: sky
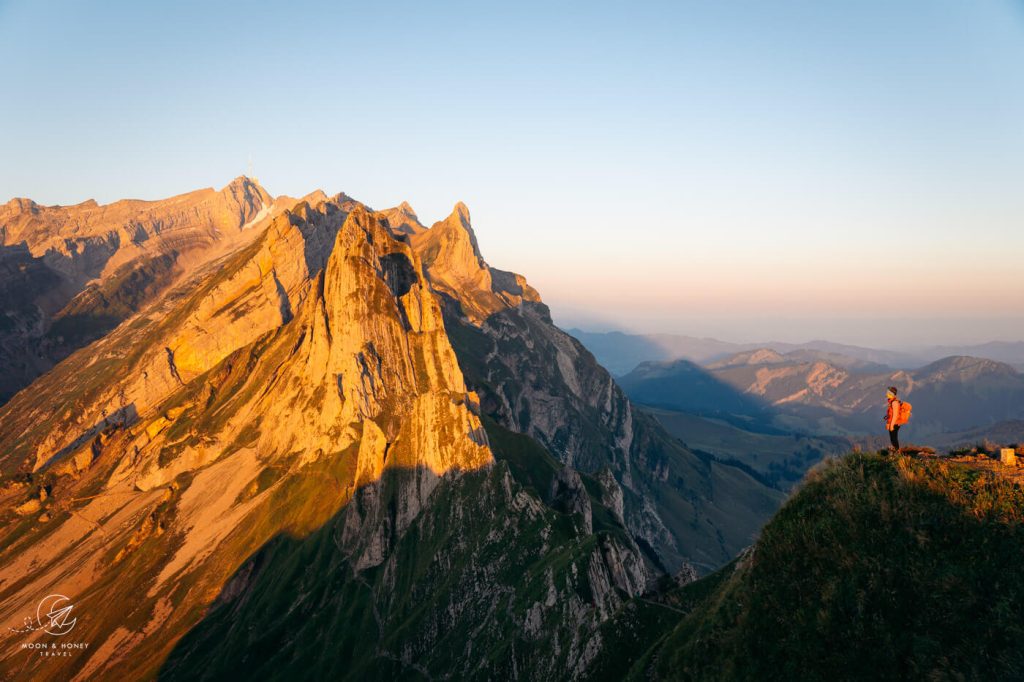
{"x": 746, "y": 170}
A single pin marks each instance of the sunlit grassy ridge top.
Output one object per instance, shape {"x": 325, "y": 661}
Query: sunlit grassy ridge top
{"x": 875, "y": 569}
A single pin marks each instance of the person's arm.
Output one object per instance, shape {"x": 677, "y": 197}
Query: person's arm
{"x": 894, "y": 411}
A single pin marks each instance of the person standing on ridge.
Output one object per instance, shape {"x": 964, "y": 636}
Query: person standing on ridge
{"x": 892, "y": 415}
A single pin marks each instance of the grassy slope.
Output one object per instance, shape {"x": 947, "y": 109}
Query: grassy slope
{"x": 874, "y": 570}
{"x": 782, "y": 459}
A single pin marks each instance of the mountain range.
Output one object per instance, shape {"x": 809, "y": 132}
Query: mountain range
{"x": 809, "y": 392}
{"x": 249, "y": 433}
{"x": 621, "y": 352}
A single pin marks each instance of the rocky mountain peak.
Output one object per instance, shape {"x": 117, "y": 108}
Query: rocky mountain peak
{"x": 402, "y": 219}
{"x": 242, "y": 181}
{"x": 458, "y": 229}
{"x": 452, "y": 261}
{"x": 315, "y": 197}
{"x": 462, "y": 211}
{"x": 964, "y": 367}
{"x": 248, "y": 193}
{"x": 377, "y": 339}
{"x": 758, "y": 356}
{"x": 20, "y": 205}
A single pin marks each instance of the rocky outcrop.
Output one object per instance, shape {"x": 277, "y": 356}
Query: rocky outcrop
{"x": 611, "y": 494}
{"x": 457, "y": 270}
{"x": 402, "y": 219}
{"x": 568, "y": 495}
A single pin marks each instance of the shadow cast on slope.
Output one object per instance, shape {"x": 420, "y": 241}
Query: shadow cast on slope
{"x": 685, "y": 386}
{"x": 618, "y": 352}
{"x": 48, "y": 315}
{"x": 462, "y": 577}
{"x": 301, "y": 606}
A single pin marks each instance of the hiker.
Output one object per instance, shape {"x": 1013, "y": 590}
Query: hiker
{"x": 892, "y": 418}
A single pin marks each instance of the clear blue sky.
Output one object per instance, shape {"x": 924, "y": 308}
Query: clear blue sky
{"x": 744, "y": 169}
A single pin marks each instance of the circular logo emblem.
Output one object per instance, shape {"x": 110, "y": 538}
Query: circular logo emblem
{"x": 54, "y": 614}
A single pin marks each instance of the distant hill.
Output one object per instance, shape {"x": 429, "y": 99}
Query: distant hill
{"x": 1010, "y": 352}
{"x": 1004, "y": 432}
{"x": 620, "y": 352}
{"x": 765, "y": 356}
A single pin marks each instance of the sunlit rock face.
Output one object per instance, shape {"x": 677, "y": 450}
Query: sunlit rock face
{"x": 80, "y": 240}
{"x": 456, "y": 268}
{"x": 364, "y": 356}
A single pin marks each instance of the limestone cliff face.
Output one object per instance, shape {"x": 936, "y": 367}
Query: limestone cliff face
{"x": 301, "y": 386}
{"x": 457, "y": 270}
{"x": 365, "y": 359}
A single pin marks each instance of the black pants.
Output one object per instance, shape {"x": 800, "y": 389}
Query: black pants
{"x": 894, "y": 437}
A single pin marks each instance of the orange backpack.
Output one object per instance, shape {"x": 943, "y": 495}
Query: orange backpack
{"x": 904, "y": 414}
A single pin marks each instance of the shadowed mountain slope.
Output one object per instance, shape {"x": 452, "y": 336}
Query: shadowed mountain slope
{"x": 875, "y": 570}
{"x": 500, "y": 577}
